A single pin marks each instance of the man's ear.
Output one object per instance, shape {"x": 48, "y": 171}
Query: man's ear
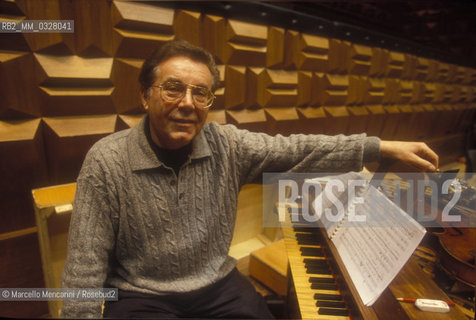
{"x": 144, "y": 99}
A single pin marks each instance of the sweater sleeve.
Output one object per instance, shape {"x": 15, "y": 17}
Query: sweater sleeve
{"x": 257, "y": 153}
{"x": 91, "y": 238}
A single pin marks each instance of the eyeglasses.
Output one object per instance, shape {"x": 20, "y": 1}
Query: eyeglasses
{"x": 174, "y": 91}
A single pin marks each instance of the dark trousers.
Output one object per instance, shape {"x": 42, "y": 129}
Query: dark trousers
{"x": 233, "y": 297}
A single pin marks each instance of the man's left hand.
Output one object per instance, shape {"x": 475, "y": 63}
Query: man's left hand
{"x": 416, "y": 156}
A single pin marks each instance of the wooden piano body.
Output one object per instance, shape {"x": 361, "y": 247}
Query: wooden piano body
{"x": 324, "y": 289}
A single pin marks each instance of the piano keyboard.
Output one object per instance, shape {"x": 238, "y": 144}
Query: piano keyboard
{"x": 317, "y": 292}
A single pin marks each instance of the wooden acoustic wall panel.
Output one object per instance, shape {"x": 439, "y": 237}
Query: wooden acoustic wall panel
{"x": 404, "y": 92}
{"x": 12, "y": 41}
{"x": 338, "y": 54}
{"x": 214, "y": 35}
{"x": 374, "y": 90}
{"x": 126, "y": 93}
{"x": 128, "y": 121}
{"x": 408, "y": 125}
{"x": 245, "y": 43}
{"x": 409, "y": 68}
{"x": 432, "y": 74}
{"x": 93, "y": 33}
{"x": 313, "y": 120}
{"x": 429, "y": 91}
{"x": 421, "y": 68}
{"x": 238, "y": 98}
{"x": 358, "y": 119}
{"x": 304, "y": 86}
{"x": 444, "y": 119}
{"x": 378, "y": 62}
{"x": 376, "y": 119}
{"x": 337, "y": 121}
{"x": 470, "y": 76}
{"x": 67, "y": 140}
{"x": 275, "y": 52}
{"x": 277, "y": 94}
{"x": 23, "y": 167}
{"x": 443, "y": 93}
{"x": 395, "y": 62}
{"x": 217, "y": 111}
{"x": 53, "y": 10}
{"x": 18, "y": 95}
{"x": 187, "y": 26}
{"x": 359, "y": 59}
{"x": 457, "y": 74}
{"x": 392, "y": 121}
{"x": 71, "y": 85}
{"x": 334, "y": 89}
{"x": 140, "y": 28}
{"x": 307, "y": 52}
{"x": 442, "y": 72}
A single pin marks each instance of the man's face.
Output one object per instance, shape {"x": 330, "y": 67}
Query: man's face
{"x": 175, "y": 124}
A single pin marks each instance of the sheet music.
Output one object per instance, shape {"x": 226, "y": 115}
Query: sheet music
{"x": 324, "y": 201}
{"x": 375, "y": 251}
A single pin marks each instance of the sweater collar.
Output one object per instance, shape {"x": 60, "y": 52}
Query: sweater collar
{"x": 142, "y": 155}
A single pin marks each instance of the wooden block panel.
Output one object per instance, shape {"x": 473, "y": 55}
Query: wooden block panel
{"x": 404, "y": 92}
{"x": 187, "y": 26}
{"x": 359, "y": 59}
{"x": 55, "y": 10}
{"x": 313, "y": 120}
{"x": 140, "y": 28}
{"x": 93, "y": 32}
{"x": 275, "y": 45}
{"x": 235, "y": 87}
{"x": 358, "y": 120}
{"x": 277, "y": 88}
{"x": 282, "y": 120}
{"x": 392, "y": 121}
{"x": 443, "y": 93}
{"x": 429, "y": 92}
{"x": 421, "y": 68}
{"x": 470, "y": 76}
{"x": 395, "y": 62}
{"x": 337, "y": 56}
{"x": 124, "y": 77}
{"x": 304, "y": 87}
{"x": 245, "y": 43}
{"x": 67, "y": 140}
{"x": 376, "y": 119}
{"x": 335, "y": 89}
{"x": 17, "y": 72}
{"x": 374, "y": 90}
{"x": 253, "y": 120}
{"x": 311, "y": 53}
{"x": 214, "y": 35}
{"x": 23, "y": 167}
{"x": 378, "y": 62}
{"x": 337, "y": 120}
{"x": 128, "y": 121}
{"x": 72, "y": 85}
{"x": 442, "y": 72}
{"x": 409, "y": 69}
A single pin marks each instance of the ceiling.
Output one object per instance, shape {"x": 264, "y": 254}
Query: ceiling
{"x": 446, "y": 26}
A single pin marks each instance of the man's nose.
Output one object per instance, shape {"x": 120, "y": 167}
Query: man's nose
{"x": 187, "y": 100}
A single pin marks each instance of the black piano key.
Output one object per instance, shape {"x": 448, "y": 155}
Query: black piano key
{"x": 327, "y": 296}
{"x": 324, "y": 286}
{"x": 311, "y": 252}
{"x": 306, "y": 238}
{"x": 315, "y": 262}
{"x": 333, "y": 312}
{"x": 318, "y": 270}
{"x": 331, "y": 304}
{"x": 321, "y": 280}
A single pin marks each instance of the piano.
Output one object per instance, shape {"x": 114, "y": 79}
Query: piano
{"x": 320, "y": 287}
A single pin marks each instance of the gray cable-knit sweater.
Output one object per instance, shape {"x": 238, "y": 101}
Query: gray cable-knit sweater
{"x": 138, "y": 227}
